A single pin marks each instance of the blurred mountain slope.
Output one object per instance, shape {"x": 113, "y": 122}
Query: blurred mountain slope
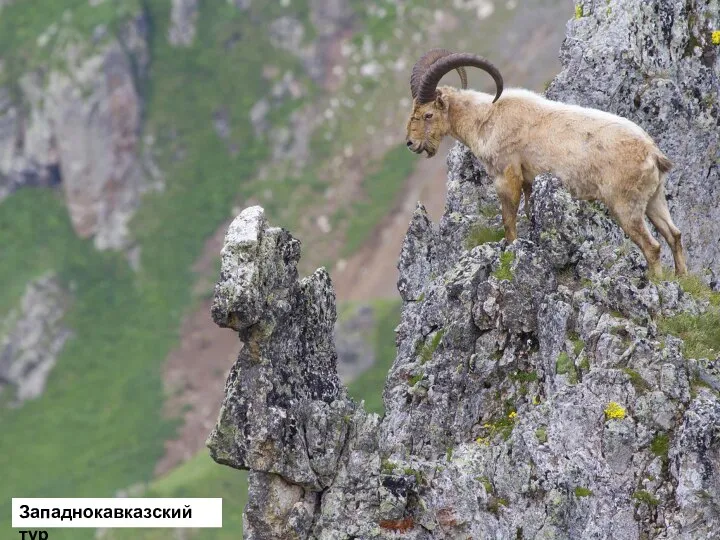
{"x": 121, "y": 154}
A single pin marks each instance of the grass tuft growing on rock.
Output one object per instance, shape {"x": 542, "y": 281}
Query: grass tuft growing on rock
{"x": 697, "y": 288}
{"x": 641, "y": 385}
{"x": 428, "y": 348}
{"x": 700, "y": 333}
{"x": 578, "y": 343}
{"x": 646, "y": 497}
{"x": 582, "y": 492}
{"x": 660, "y": 445}
{"x": 504, "y": 271}
{"x": 480, "y": 234}
{"x": 565, "y": 366}
{"x": 485, "y": 481}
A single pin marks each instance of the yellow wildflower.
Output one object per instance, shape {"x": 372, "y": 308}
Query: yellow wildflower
{"x": 614, "y": 411}
{"x": 716, "y": 37}
{"x": 483, "y": 441}
{"x": 578, "y": 11}
{"x": 487, "y": 426}
{"x": 512, "y": 415}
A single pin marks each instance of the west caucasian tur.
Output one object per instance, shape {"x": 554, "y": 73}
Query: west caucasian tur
{"x": 518, "y": 134}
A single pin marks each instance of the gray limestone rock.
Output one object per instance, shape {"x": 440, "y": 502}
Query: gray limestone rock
{"x": 532, "y": 392}
{"x": 183, "y": 21}
{"x": 31, "y": 338}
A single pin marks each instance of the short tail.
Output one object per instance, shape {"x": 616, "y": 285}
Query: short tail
{"x": 663, "y": 163}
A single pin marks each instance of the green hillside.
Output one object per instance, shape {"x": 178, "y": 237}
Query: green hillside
{"x": 99, "y": 426}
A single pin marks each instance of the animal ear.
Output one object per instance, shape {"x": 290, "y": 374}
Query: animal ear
{"x": 441, "y": 101}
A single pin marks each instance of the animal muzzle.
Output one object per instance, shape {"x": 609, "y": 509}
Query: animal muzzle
{"x": 415, "y": 147}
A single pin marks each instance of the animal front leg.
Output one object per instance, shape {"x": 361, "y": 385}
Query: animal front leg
{"x": 509, "y": 188}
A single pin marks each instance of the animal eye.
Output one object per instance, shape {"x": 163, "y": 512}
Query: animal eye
{"x": 428, "y": 116}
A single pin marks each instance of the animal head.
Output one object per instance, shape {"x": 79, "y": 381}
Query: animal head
{"x": 429, "y": 120}
{"x": 427, "y": 125}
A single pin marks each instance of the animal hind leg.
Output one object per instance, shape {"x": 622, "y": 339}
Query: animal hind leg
{"x": 633, "y": 223}
{"x": 659, "y": 214}
{"x": 527, "y": 191}
{"x": 509, "y": 188}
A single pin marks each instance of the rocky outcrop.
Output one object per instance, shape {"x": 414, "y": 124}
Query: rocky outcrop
{"x": 532, "y": 396}
{"x": 331, "y": 22}
{"x": 183, "y": 21}
{"x": 540, "y": 389}
{"x": 81, "y": 132}
{"x": 657, "y": 64}
{"x": 32, "y": 337}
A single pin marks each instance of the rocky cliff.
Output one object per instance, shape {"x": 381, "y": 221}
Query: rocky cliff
{"x": 71, "y": 118}
{"x": 540, "y": 390}
{"x": 535, "y": 393}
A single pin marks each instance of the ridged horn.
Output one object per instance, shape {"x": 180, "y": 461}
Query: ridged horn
{"x": 428, "y": 59}
{"x": 431, "y": 77}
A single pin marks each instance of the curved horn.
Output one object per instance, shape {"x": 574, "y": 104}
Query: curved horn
{"x": 430, "y": 79}
{"x": 426, "y": 60}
